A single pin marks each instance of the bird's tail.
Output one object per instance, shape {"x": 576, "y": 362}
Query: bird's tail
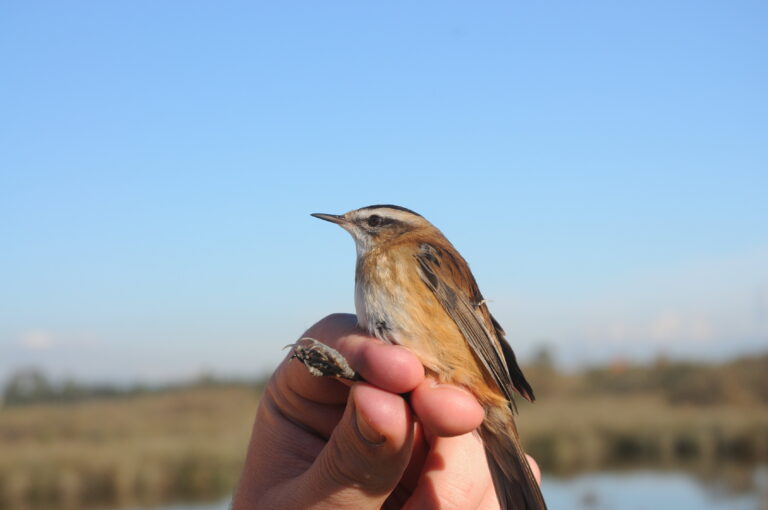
{"x": 516, "y": 488}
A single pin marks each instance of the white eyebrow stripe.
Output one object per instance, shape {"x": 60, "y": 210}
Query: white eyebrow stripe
{"x": 387, "y": 212}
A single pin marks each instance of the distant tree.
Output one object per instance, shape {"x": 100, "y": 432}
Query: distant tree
{"x": 27, "y": 385}
{"x": 542, "y": 373}
{"x": 543, "y": 358}
{"x": 699, "y": 386}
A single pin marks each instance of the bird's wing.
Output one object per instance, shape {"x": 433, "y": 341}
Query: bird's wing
{"x": 449, "y": 278}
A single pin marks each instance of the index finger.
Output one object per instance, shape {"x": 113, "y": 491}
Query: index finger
{"x": 390, "y": 367}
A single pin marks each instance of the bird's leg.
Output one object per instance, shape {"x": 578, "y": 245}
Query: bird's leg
{"x": 322, "y": 360}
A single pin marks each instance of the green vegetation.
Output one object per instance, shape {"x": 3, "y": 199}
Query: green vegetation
{"x": 143, "y": 450}
{"x": 65, "y": 449}
{"x": 663, "y": 414}
{"x": 743, "y": 381}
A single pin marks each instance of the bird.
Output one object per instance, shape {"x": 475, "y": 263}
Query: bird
{"x": 413, "y": 288}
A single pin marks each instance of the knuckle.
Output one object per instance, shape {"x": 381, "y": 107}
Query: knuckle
{"x": 339, "y": 470}
{"x": 335, "y": 318}
{"x": 330, "y": 326}
{"x": 348, "y": 466}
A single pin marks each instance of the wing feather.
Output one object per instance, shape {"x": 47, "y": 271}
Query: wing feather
{"x": 439, "y": 267}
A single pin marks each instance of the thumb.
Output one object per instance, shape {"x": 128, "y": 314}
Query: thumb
{"x": 367, "y": 453}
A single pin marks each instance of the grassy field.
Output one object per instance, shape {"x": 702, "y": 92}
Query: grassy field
{"x": 180, "y": 445}
{"x": 188, "y": 444}
{"x": 578, "y": 434}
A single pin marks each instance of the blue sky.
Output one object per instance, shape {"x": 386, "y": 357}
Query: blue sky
{"x": 603, "y": 168}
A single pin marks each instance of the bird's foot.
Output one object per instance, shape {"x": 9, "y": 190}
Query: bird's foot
{"x": 322, "y": 360}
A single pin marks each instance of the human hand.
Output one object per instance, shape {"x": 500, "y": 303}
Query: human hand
{"x": 318, "y": 443}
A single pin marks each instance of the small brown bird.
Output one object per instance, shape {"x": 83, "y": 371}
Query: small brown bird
{"x": 414, "y": 289}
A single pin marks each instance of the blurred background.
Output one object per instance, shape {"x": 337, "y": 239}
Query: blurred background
{"x": 602, "y": 166}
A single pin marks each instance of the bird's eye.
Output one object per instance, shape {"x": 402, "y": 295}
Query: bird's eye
{"x": 374, "y": 220}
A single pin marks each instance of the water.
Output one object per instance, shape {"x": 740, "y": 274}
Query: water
{"x": 651, "y": 490}
{"x": 638, "y": 490}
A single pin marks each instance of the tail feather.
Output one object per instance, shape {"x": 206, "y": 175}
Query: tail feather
{"x": 516, "y": 488}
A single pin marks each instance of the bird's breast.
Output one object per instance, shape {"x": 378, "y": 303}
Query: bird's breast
{"x": 380, "y": 289}
{"x": 393, "y": 303}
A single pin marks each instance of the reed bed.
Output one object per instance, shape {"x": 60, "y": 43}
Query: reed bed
{"x": 183, "y": 445}
{"x": 189, "y": 444}
{"x": 609, "y": 432}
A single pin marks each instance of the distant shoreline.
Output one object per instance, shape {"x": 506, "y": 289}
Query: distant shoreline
{"x": 186, "y": 443}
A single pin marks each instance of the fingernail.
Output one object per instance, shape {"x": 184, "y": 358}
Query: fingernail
{"x": 366, "y": 431}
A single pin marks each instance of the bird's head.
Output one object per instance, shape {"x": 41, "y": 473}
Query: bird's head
{"x": 376, "y": 225}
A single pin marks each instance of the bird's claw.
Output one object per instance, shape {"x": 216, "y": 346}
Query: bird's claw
{"x": 322, "y": 360}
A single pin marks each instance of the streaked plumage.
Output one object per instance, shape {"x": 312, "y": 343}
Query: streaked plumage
{"x": 413, "y": 288}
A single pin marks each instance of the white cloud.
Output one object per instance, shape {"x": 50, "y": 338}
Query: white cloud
{"x": 37, "y": 340}
{"x": 680, "y": 326}
{"x": 699, "y": 308}
{"x": 761, "y": 305}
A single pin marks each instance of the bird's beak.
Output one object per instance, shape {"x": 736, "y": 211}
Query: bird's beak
{"x": 333, "y": 218}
